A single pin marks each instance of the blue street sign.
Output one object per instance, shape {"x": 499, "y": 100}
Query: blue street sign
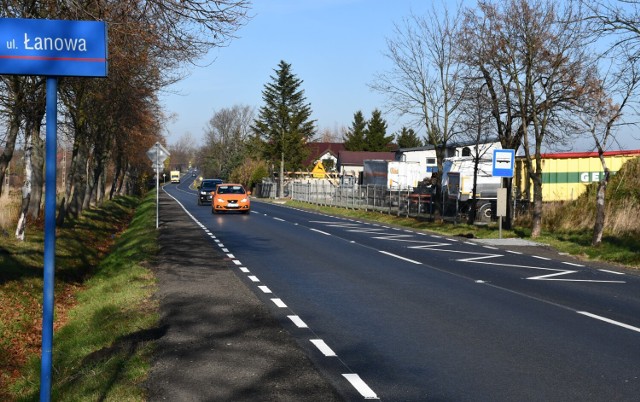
{"x": 503, "y": 162}
{"x": 53, "y": 47}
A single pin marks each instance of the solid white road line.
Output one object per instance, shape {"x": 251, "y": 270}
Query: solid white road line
{"x": 360, "y": 386}
{"x": 400, "y": 257}
{"x": 610, "y": 321}
{"x": 572, "y": 264}
{"x": 320, "y": 231}
{"x": 611, "y": 272}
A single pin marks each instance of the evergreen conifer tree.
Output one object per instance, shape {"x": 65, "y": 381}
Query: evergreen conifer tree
{"x": 283, "y": 123}
{"x": 354, "y": 139}
{"x": 376, "y": 139}
{"x": 407, "y": 138}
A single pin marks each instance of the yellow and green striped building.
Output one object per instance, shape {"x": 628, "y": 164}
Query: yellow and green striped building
{"x": 566, "y": 175}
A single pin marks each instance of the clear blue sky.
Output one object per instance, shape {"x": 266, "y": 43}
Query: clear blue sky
{"x": 335, "y": 46}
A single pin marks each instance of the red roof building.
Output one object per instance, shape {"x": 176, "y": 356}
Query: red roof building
{"x": 319, "y": 151}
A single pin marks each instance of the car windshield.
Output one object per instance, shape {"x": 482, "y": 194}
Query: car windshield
{"x": 230, "y": 190}
{"x": 209, "y": 185}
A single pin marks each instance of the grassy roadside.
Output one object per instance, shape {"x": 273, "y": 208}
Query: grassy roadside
{"x": 622, "y": 249}
{"x": 105, "y": 315}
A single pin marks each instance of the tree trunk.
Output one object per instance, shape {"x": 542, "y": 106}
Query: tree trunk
{"x": 598, "y": 227}
{"x": 37, "y": 171}
{"x": 536, "y": 224}
{"x": 88, "y": 185}
{"x": 281, "y": 187}
{"x": 116, "y": 178}
{"x": 123, "y": 188}
{"x": 69, "y": 186}
{"x": 21, "y": 228}
{"x": 10, "y": 144}
{"x": 474, "y": 198}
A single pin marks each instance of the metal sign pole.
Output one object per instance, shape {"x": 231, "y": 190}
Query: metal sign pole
{"x": 157, "y": 186}
{"x": 82, "y": 53}
{"x": 49, "y": 238}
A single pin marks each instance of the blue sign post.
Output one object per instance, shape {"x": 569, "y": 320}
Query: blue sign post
{"x": 51, "y": 48}
{"x": 504, "y": 161}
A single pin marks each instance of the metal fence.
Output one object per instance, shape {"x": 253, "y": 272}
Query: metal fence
{"x": 367, "y": 197}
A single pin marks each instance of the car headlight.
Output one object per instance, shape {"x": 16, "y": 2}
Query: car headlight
{"x": 243, "y": 200}
{"x": 221, "y": 200}
{"x": 203, "y": 193}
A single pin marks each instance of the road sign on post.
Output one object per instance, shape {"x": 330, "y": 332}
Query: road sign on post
{"x": 503, "y": 162}
{"x": 157, "y": 154}
{"x": 51, "y": 48}
{"x": 503, "y": 166}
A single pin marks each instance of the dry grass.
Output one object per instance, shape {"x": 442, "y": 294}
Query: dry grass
{"x": 622, "y": 206}
{"x": 9, "y": 211}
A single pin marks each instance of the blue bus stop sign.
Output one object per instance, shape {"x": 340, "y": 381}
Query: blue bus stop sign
{"x": 53, "y": 47}
{"x": 503, "y": 162}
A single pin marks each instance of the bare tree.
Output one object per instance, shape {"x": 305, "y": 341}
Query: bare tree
{"x": 226, "y": 137}
{"x": 602, "y": 113}
{"x": 150, "y": 45}
{"x": 477, "y": 128}
{"x": 532, "y": 56}
{"x": 424, "y": 80}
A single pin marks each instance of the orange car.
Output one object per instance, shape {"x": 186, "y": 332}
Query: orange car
{"x": 230, "y": 197}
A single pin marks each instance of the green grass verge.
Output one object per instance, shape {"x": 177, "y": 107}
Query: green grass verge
{"x": 102, "y": 352}
{"x": 614, "y": 249}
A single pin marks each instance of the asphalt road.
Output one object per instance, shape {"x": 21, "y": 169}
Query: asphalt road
{"x": 220, "y": 342}
{"x": 393, "y": 314}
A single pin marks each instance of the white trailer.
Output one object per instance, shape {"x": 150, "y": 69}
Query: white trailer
{"x": 457, "y": 184}
{"x": 394, "y": 175}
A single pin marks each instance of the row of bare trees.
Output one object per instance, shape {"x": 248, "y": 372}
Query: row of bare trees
{"x": 110, "y": 122}
{"x": 534, "y": 74}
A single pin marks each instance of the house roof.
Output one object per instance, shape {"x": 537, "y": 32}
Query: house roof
{"x": 317, "y": 149}
{"x": 356, "y": 158}
{"x": 569, "y": 155}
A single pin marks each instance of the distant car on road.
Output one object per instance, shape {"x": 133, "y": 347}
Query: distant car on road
{"x": 206, "y": 190}
{"x": 231, "y": 197}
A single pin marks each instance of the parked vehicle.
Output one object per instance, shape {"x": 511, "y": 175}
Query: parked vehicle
{"x": 395, "y": 175}
{"x": 457, "y": 184}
